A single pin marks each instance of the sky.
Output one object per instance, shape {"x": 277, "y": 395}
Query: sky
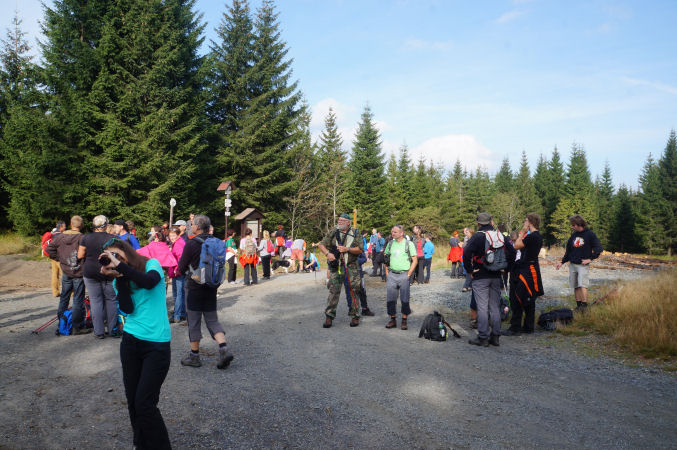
{"x": 479, "y": 81}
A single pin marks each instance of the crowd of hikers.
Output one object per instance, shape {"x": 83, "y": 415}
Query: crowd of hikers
{"x": 119, "y": 288}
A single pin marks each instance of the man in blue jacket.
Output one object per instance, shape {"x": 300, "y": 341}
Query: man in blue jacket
{"x": 486, "y": 284}
{"x": 583, "y": 246}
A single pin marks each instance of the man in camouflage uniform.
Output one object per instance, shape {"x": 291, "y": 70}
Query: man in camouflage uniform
{"x": 347, "y": 242}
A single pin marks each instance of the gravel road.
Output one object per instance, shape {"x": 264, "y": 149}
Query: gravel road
{"x": 295, "y": 384}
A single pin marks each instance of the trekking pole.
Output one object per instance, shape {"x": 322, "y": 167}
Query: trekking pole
{"x": 45, "y": 325}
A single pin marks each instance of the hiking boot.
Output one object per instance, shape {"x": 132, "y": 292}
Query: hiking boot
{"x": 367, "y": 312}
{"x": 473, "y": 324}
{"x": 403, "y": 326}
{"x": 172, "y": 320}
{"x": 225, "y": 357}
{"x": 511, "y": 332}
{"x": 192, "y": 360}
{"x": 327, "y": 322}
{"x": 493, "y": 340}
{"x": 77, "y": 331}
{"x": 392, "y": 323}
{"x": 479, "y": 341}
{"x": 354, "y": 322}
{"x": 99, "y": 336}
{"x": 582, "y": 308}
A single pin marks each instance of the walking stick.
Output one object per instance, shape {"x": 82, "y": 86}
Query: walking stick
{"x": 45, "y": 325}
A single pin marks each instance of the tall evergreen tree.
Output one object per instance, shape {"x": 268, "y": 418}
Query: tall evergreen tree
{"x": 148, "y": 110}
{"x": 553, "y": 193}
{"x": 667, "y": 170}
{"x": 421, "y": 194}
{"x": 526, "y": 189}
{"x": 333, "y": 170}
{"x": 578, "y": 196}
{"x": 263, "y": 146}
{"x": 28, "y": 192}
{"x": 652, "y": 208}
{"x": 405, "y": 179}
{"x": 366, "y": 163}
{"x": 541, "y": 181}
{"x": 503, "y": 181}
{"x": 603, "y": 195}
{"x": 622, "y": 236}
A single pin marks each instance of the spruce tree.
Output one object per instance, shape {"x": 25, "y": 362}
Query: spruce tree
{"x": 553, "y": 193}
{"x": 667, "y": 169}
{"x": 263, "y": 145}
{"x": 367, "y": 185}
{"x": 652, "y": 208}
{"x": 333, "y": 171}
{"x": 540, "y": 179}
{"x": 526, "y": 190}
{"x": 421, "y": 194}
{"x": 603, "y": 194}
{"x": 622, "y": 236}
{"x": 30, "y": 191}
{"x": 149, "y": 112}
{"x": 503, "y": 181}
{"x": 405, "y": 179}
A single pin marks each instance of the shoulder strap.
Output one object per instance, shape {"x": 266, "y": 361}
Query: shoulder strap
{"x": 199, "y": 239}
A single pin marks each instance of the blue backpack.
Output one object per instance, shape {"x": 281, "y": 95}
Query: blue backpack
{"x": 66, "y": 323}
{"x": 212, "y": 268}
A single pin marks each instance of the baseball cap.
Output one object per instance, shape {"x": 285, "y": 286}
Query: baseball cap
{"x": 180, "y": 223}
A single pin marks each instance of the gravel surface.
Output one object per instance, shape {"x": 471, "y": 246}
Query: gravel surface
{"x": 295, "y": 384}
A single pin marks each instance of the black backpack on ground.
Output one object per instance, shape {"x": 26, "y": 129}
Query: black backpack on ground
{"x": 548, "y": 320}
{"x": 433, "y": 328}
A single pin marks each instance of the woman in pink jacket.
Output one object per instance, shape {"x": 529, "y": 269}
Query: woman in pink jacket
{"x": 178, "y": 279}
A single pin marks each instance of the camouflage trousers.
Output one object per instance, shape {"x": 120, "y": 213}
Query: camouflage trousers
{"x": 336, "y": 282}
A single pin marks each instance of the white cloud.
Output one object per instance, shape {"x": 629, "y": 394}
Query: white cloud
{"x": 447, "y": 149}
{"x": 510, "y": 16}
{"x": 653, "y": 84}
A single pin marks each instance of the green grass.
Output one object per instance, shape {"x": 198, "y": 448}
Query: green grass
{"x": 13, "y": 243}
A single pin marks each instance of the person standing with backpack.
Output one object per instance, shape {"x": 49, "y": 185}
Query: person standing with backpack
{"x": 418, "y": 242}
{"x": 400, "y": 263}
{"x": 342, "y": 246}
{"x": 201, "y": 298}
{"x": 266, "y": 250}
{"x": 56, "y": 266}
{"x": 231, "y": 250}
{"x": 485, "y": 257}
{"x": 249, "y": 258}
{"x": 122, "y": 230}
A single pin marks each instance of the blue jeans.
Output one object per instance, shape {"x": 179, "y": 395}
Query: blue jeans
{"x": 179, "y": 294}
{"x": 103, "y": 303}
{"x": 77, "y": 287}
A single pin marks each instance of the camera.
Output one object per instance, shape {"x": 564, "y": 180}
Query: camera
{"x": 104, "y": 260}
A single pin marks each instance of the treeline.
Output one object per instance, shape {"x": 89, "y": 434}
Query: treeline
{"x": 122, "y": 114}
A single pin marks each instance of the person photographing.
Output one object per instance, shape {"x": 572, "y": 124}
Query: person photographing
{"x": 145, "y": 347}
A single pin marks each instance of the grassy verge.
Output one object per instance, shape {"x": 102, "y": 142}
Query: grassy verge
{"x": 12, "y": 243}
{"x": 639, "y": 316}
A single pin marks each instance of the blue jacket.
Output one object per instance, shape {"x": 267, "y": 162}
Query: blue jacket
{"x": 428, "y": 250}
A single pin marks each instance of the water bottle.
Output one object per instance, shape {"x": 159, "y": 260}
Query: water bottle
{"x": 442, "y": 330}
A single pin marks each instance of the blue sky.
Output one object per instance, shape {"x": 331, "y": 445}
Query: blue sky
{"x": 482, "y": 80}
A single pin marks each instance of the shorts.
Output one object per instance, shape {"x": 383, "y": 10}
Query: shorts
{"x": 297, "y": 253}
{"x": 578, "y": 276}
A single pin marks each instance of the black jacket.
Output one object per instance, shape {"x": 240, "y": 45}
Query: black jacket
{"x": 582, "y": 245}
{"x": 475, "y": 247}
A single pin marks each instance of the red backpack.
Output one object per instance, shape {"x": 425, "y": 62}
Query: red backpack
{"x": 270, "y": 248}
{"x": 46, "y": 239}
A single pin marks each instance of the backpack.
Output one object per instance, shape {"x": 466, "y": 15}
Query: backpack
{"x": 249, "y": 247}
{"x": 386, "y": 253}
{"x": 46, "y": 239}
{"x": 494, "y": 259}
{"x": 270, "y": 248}
{"x": 280, "y": 241}
{"x": 66, "y": 323}
{"x": 548, "y": 320}
{"x": 211, "y": 270}
{"x": 433, "y": 328}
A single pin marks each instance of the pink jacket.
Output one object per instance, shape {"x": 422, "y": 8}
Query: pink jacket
{"x": 161, "y": 252}
{"x": 177, "y": 251}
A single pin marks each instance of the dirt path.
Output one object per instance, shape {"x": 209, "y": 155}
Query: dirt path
{"x": 295, "y": 384}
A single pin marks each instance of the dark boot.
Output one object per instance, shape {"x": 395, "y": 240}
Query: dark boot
{"x": 327, "y": 322}
{"x": 367, "y": 312}
{"x": 479, "y": 341}
{"x": 392, "y": 323}
{"x": 511, "y": 332}
{"x": 354, "y": 322}
{"x": 493, "y": 340}
{"x": 404, "y": 324}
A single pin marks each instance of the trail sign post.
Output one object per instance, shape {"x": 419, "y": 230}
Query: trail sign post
{"x": 227, "y": 188}
{"x": 172, "y": 204}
